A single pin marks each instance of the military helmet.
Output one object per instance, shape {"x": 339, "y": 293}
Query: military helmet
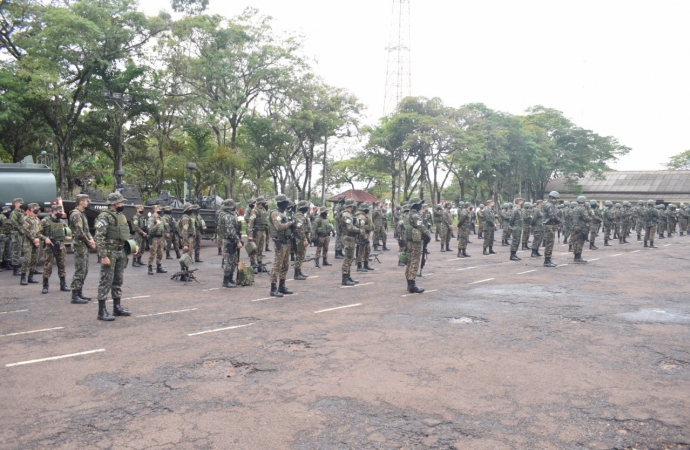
{"x": 186, "y": 207}
{"x": 593, "y": 203}
{"x": 527, "y": 205}
{"x": 406, "y": 207}
{"x": 481, "y": 206}
{"x": 617, "y": 205}
{"x": 510, "y": 204}
{"x": 167, "y": 208}
{"x": 566, "y": 203}
{"x": 504, "y": 206}
{"x": 350, "y": 202}
{"x": 251, "y": 202}
{"x": 608, "y": 203}
{"x": 554, "y": 194}
{"x": 281, "y": 198}
{"x": 581, "y": 199}
{"x": 662, "y": 206}
{"x": 640, "y": 202}
{"x": 229, "y": 203}
{"x": 364, "y": 206}
{"x": 260, "y": 200}
{"x": 56, "y": 207}
{"x": 650, "y": 202}
{"x": 324, "y": 209}
{"x": 626, "y": 203}
{"x": 114, "y": 198}
{"x": 461, "y": 203}
{"x": 196, "y": 207}
{"x": 672, "y": 206}
{"x": 540, "y": 201}
{"x": 302, "y": 204}
{"x": 438, "y": 206}
{"x": 682, "y": 205}
{"x": 415, "y": 201}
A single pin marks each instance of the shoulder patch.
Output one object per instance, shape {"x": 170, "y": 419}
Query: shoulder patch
{"x": 348, "y": 220}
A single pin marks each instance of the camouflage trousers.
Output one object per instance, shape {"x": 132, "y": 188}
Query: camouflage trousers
{"x": 649, "y": 233}
{"x": 639, "y": 226}
{"x": 538, "y": 238}
{"x": 488, "y": 236}
{"x": 577, "y": 240}
{"x": 187, "y": 241}
{"x": 81, "y": 266}
{"x": 593, "y": 233}
{"x": 172, "y": 243}
{"x": 380, "y": 235}
{"x": 516, "y": 239}
{"x": 348, "y": 243}
{"x": 231, "y": 255}
{"x": 549, "y": 237}
{"x": 112, "y": 275}
{"x": 17, "y": 244}
{"x": 480, "y": 228}
{"x": 671, "y": 226}
{"x": 607, "y": 230}
{"x": 3, "y": 241}
{"x": 566, "y": 232}
{"x": 323, "y": 245}
{"x": 683, "y": 225}
{"x": 414, "y": 250}
{"x": 446, "y": 233}
{"x": 49, "y": 256}
{"x": 260, "y": 241}
{"x": 506, "y": 232}
{"x": 8, "y": 248}
{"x": 616, "y": 229}
{"x": 438, "y": 230}
{"x": 141, "y": 243}
{"x": 463, "y": 237}
{"x": 197, "y": 245}
{"x": 281, "y": 263}
{"x": 300, "y": 253}
{"x": 30, "y": 252}
{"x": 339, "y": 245}
{"x": 525, "y": 236}
{"x": 156, "y": 250}
{"x": 362, "y": 252}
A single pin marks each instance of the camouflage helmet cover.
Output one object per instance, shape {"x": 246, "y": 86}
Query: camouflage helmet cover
{"x": 114, "y": 198}
{"x": 608, "y": 203}
{"x": 281, "y": 198}
{"x": 186, "y": 207}
{"x": 350, "y": 202}
{"x": 581, "y": 199}
{"x": 554, "y": 194}
{"x": 415, "y": 201}
{"x": 302, "y": 204}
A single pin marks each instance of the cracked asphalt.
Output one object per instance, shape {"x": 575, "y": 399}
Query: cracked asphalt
{"x": 496, "y": 354}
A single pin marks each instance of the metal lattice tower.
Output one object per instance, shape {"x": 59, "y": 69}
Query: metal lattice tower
{"x": 399, "y": 68}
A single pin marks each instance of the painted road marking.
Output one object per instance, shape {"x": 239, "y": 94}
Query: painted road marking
{"x": 168, "y": 312}
{"x": 595, "y": 259}
{"x": 616, "y": 255}
{"x": 12, "y": 312}
{"x": 409, "y": 295}
{"x": 468, "y": 268}
{"x": 269, "y": 298}
{"x": 206, "y": 290}
{"x": 634, "y": 251}
{"x": 312, "y": 276}
{"x": 219, "y": 329}
{"x": 52, "y": 358}
{"x": 33, "y": 331}
{"x": 666, "y": 245}
{"x": 339, "y": 307}
{"x": 521, "y": 273}
{"x": 133, "y": 298}
{"x": 481, "y": 281}
{"x": 356, "y": 285}
{"x": 562, "y": 265}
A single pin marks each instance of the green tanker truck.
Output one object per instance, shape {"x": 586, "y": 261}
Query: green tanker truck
{"x": 34, "y": 183}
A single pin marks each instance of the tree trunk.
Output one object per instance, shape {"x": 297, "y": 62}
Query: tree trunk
{"x": 324, "y": 174}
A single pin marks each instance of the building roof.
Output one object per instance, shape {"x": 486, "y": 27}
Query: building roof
{"x": 358, "y": 195}
{"x": 655, "y": 184}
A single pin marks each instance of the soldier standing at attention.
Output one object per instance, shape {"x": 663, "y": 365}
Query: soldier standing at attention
{"x": 489, "y": 227}
{"x": 516, "y": 223}
{"x": 672, "y": 219}
{"x": 505, "y": 219}
{"x": 200, "y": 226}
{"x": 302, "y": 237}
{"x": 361, "y": 251}
{"x": 416, "y": 234}
{"x": 526, "y": 220}
{"x": 338, "y": 231}
{"x": 53, "y": 232}
{"x": 661, "y": 227}
{"x": 637, "y": 217}
{"x": 594, "y": 224}
{"x": 480, "y": 222}
{"x": 377, "y": 218}
{"x": 551, "y": 221}
{"x": 31, "y": 241}
{"x": 187, "y": 229}
{"x": 158, "y": 232}
{"x": 139, "y": 227}
{"x": 350, "y": 230}
{"x": 567, "y": 219}
{"x": 683, "y": 218}
{"x": 651, "y": 220}
{"x": 464, "y": 225}
{"x": 609, "y": 221}
{"x": 257, "y": 227}
{"x": 446, "y": 227}
{"x": 112, "y": 232}
{"x": 281, "y": 229}
{"x": 438, "y": 219}
{"x": 5, "y": 231}
{"x": 323, "y": 229}
{"x": 16, "y": 236}
{"x": 231, "y": 237}
{"x": 617, "y": 222}
{"x": 171, "y": 238}
{"x": 83, "y": 241}
{"x": 627, "y": 216}
{"x": 537, "y": 225}
{"x": 581, "y": 220}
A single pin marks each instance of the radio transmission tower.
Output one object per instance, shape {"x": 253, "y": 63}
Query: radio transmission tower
{"x": 399, "y": 67}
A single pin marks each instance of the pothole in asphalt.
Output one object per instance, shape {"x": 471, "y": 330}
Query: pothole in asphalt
{"x": 671, "y": 364}
{"x": 289, "y": 345}
{"x": 463, "y": 320}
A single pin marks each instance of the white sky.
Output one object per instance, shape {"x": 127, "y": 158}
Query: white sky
{"x": 617, "y": 67}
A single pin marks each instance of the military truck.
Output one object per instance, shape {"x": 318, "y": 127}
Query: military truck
{"x": 34, "y": 183}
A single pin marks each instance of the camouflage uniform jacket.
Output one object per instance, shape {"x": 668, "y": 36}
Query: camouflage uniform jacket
{"x": 447, "y": 218}
{"x": 377, "y": 217}
{"x": 80, "y": 227}
{"x": 30, "y": 228}
{"x": 537, "y": 222}
{"x": 302, "y": 227}
{"x": 139, "y": 224}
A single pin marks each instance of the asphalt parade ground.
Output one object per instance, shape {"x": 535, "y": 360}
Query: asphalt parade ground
{"x": 495, "y": 354}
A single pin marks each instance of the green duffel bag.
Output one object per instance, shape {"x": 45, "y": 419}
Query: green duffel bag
{"x": 403, "y": 257}
{"x": 245, "y": 274}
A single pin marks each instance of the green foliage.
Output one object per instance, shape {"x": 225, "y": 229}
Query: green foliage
{"x": 680, "y": 161}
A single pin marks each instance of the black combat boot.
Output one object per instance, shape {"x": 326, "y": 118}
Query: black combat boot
{"x": 366, "y": 266}
{"x": 606, "y": 243}
{"x": 578, "y": 258}
{"x": 620, "y": 240}
{"x": 37, "y": 272}
{"x": 298, "y": 276}
{"x": 197, "y": 260}
{"x": 447, "y": 247}
{"x": 177, "y": 253}
{"x": 167, "y": 255}
{"x": 534, "y": 254}
{"x": 31, "y": 279}
{"x": 339, "y": 254}
{"x": 325, "y": 262}
{"x": 491, "y": 251}
{"x": 150, "y": 269}
{"x": 82, "y": 296}
{"x": 376, "y": 247}
{"x": 527, "y": 247}
{"x": 135, "y": 262}
{"x": 159, "y": 269}
{"x": 63, "y": 285}
{"x": 119, "y": 310}
{"x": 274, "y": 291}
{"x": 360, "y": 268}
{"x": 346, "y": 281}
{"x": 464, "y": 252}
{"x": 639, "y": 238}
{"x": 504, "y": 242}
{"x": 651, "y": 244}
{"x": 228, "y": 281}
{"x": 460, "y": 255}
{"x": 45, "y": 286}
{"x": 103, "y": 313}
{"x": 282, "y": 289}
{"x": 645, "y": 244}
{"x": 316, "y": 263}
{"x": 77, "y": 299}
{"x": 16, "y": 270}
{"x": 592, "y": 247}
{"x": 570, "y": 248}
{"x": 681, "y": 233}
{"x": 413, "y": 288}
{"x": 661, "y": 235}
{"x": 485, "y": 252}
{"x": 385, "y": 249}
{"x": 514, "y": 257}
{"x": 548, "y": 263}
{"x": 349, "y": 277}
{"x": 443, "y": 247}
{"x": 437, "y": 239}
{"x": 220, "y": 251}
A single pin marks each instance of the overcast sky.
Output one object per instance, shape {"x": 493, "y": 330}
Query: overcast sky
{"x": 620, "y": 68}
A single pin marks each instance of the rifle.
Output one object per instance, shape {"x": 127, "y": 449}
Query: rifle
{"x": 375, "y": 257}
{"x": 424, "y": 253}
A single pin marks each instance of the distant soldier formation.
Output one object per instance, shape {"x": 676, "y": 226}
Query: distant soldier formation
{"x": 360, "y": 231}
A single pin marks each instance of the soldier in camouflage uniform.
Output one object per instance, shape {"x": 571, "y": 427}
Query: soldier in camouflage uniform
{"x": 662, "y": 224}
{"x": 139, "y": 227}
{"x": 505, "y": 219}
{"x": 82, "y": 242}
{"x": 16, "y": 235}
{"x": 247, "y": 215}
{"x": 416, "y": 235}
{"x": 112, "y": 232}
{"x": 281, "y": 228}
{"x": 172, "y": 240}
{"x": 479, "y": 221}
{"x": 53, "y": 232}
{"x": 627, "y": 218}
{"x": 5, "y": 235}
{"x": 672, "y": 218}
{"x": 362, "y": 241}
{"x": 302, "y": 237}
{"x": 257, "y": 227}
{"x": 516, "y": 223}
{"x": 488, "y": 219}
{"x": 581, "y": 219}
{"x": 617, "y": 222}
{"x": 200, "y": 226}
{"x": 537, "y": 226}
{"x": 608, "y": 216}
{"x": 437, "y": 216}
{"x": 526, "y": 221}
{"x": 378, "y": 218}
{"x": 229, "y": 231}
{"x": 30, "y": 226}
{"x": 594, "y": 224}
{"x": 351, "y": 232}
{"x": 464, "y": 225}
{"x": 651, "y": 220}
{"x": 158, "y": 231}
{"x": 567, "y": 220}
{"x": 323, "y": 229}
{"x": 339, "y": 208}
{"x": 187, "y": 229}
{"x": 636, "y": 219}
{"x": 446, "y": 227}
{"x": 400, "y": 228}
{"x": 683, "y": 218}
{"x": 551, "y": 222}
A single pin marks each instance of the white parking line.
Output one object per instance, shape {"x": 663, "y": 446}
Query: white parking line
{"x": 33, "y": 331}
{"x": 562, "y": 265}
{"x": 595, "y": 259}
{"x": 168, "y": 312}
{"x": 339, "y": 307}
{"x": 212, "y": 289}
{"x": 219, "y": 329}
{"x": 133, "y": 298}
{"x": 269, "y": 298}
{"x": 356, "y": 285}
{"x": 481, "y": 281}
{"x": 12, "y": 312}
{"x": 634, "y": 251}
{"x": 409, "y": 295}
{"x": 619, "y": 254}
{"x": 533, "y": 270}
{"x": 52, "y": 358}
{"x": 312, "y": 276}
{"x": 666, "y": 245}
{"x": 468, "y": 268}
